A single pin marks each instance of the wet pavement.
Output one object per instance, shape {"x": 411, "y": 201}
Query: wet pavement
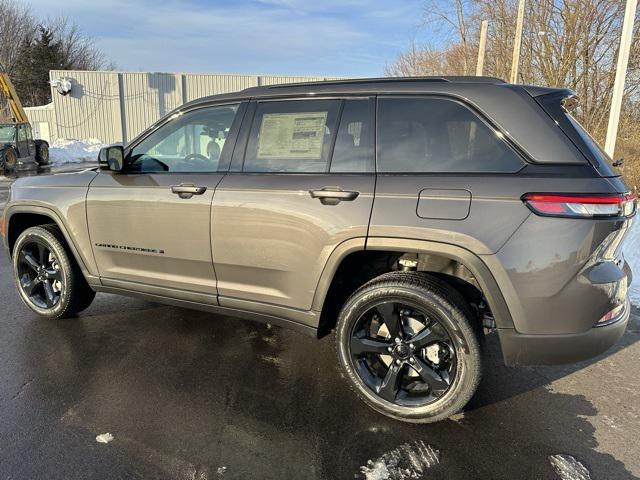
{"x": 189, "y": 395}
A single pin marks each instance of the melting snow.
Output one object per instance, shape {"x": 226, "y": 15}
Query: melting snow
{"x": 568, "y": 468}
{"x": 631, "y": 249}
{"x": 104, "y": 438}
{"x": 408, "y": 461}
{"x": 74, "y": 151}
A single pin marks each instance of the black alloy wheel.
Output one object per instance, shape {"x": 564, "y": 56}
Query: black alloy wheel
{"x": 49, "y": 280}
{"x": 39, "y": 274}
{"x": 409, "y": 346}
{"x": 402, "y": 354}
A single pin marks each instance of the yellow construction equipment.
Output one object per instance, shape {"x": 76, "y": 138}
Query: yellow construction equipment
{"x": 18, "y": 149}
{"x": 6, "y": 88}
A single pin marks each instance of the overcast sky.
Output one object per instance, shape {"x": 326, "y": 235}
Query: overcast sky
{"x": 295, "y": 37}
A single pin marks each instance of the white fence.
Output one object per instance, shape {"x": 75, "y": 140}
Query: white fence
{"x": 116, "y": 106}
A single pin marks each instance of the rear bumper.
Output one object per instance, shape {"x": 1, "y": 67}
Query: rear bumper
{"x": 526, "y": 349}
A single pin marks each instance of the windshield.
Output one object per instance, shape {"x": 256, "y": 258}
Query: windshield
{"x": 7, "y": 133}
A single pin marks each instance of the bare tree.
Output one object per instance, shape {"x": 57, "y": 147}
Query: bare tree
{"x": 16, "y": 23}
{"x": 78, "y": 50}
{"x": 418, "y": 61}
{"x": 19, "y": 29}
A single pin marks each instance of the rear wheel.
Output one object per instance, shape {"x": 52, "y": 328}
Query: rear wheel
{"x": 48, "y": 279}
{"x": 9, "y": 160}
{"x": 408, "y": 347}
{"x": 42, "y": 152}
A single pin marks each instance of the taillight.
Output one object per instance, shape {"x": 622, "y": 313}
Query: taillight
{"x": 581, "y": 205}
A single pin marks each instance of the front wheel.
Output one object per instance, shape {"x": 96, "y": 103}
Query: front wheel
{"x": 48, "y": 279}
{"x": 408, "y": 348}
{"x": 9, "y": 160}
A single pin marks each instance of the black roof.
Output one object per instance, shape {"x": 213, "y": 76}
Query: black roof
{"x": 356, "y": 86}
{"x": 352, "y": 81}
{"x": 356, "y": 82}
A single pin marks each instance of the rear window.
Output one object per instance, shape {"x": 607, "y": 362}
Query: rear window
{"x": 438, "y": 135}
{"x": 553, "y": 105}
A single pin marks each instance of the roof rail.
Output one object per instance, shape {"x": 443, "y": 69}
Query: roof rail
{"x": 351, "y": 81}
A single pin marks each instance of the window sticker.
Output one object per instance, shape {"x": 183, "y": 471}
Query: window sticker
{"x": 297, "y": 135}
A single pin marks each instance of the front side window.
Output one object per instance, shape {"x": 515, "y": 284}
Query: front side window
{"x": 291, "y": 136}
{"x": 7, "y": 133}
{"x": 438, "y": 135}
{"x": 190, "y": 142}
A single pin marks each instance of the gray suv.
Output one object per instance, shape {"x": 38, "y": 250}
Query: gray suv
{"x": 409, "y": 216}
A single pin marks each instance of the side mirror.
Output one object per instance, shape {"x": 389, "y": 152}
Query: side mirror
{"x": 111, "y": 158}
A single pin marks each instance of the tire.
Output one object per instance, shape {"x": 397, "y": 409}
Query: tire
{"x": 9, "y": 160}
{"x": 435, "y": 356}
{"x": 42, "y": 152}
{"x": 67, "y": 293}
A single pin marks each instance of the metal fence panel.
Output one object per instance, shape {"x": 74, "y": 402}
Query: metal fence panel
{"x": 91, "y": 109}
{"x": 117, "y": 106}
{"x": 278, "y": 79}
{"x": 198, "y": 86}
{"x": 147, "y": 97}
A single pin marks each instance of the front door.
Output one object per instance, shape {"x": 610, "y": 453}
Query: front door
{"x": 22, "y": 145}
{"x": 31, "y": 145}
{"x": 301, "y": 185}
{"x": 150, "y": 225}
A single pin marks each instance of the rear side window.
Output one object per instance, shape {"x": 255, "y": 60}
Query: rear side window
{"x": 553, "y": 105}
{"x": 353, "y": 151}
{"x": 438, "y": 135}
{"x": 292, "y": 136}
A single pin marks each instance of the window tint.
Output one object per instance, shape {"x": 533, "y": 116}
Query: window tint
{"x": 192, "y": 142}
{"x": 353, "y": 151}
{"x": 291, "y": 136}
{"x": 438, "y": 135}
{"x": 22, "y": 134}
{"x": 7, "y": 133}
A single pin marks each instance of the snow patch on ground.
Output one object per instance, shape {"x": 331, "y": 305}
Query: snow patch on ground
{"x": 104, "y": 438}
{"x": 408, "y": 461}
{"x": 64, "y": 151}
{"x": 631, "y": 250}
{"x": 568, "y": 468}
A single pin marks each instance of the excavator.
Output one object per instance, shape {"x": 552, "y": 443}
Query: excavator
{"x": 18, "y": 150}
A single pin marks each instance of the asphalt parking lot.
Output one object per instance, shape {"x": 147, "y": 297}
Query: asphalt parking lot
{"x": 188, "y": 395}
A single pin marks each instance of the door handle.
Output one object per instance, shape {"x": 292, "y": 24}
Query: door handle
{"x": 333, "y": 195}
{"x": 187, "y": 190}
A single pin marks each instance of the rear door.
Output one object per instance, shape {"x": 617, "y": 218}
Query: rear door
{"x": 300, "y": 184}
{"x": 151, "y": 224}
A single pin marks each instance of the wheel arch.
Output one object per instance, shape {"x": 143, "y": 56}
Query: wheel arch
{"x": 338, "y": 280}
{"x": 20, "y": 218}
